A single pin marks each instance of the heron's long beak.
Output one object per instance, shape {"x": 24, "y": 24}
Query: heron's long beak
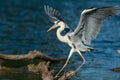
{"x": 51, "y": 28}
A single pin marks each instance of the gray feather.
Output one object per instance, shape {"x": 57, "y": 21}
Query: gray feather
{"x": 90, "y": 22}
{"x": 53, "y": 14}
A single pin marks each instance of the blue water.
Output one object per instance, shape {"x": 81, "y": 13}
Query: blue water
{"x": 24, "y": 24}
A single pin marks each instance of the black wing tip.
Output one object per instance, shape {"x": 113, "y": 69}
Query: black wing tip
{"x": 48, "y": 10}
{"x": 53, "y": 14}
{"x": 112, "y": 7}
{"x": 45, "y": 8}
{"x": 115, "y": 9}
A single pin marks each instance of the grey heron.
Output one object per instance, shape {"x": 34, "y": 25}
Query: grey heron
{"x": 86, "y": 30}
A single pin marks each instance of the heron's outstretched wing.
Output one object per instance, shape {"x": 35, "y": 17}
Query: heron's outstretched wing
{"x": 53, "y": 14}
{"x": 90, "y": 22}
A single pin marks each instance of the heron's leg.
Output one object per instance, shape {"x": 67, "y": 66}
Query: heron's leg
{"x": 82, "y": 62}
{"x": 70, "y": 54}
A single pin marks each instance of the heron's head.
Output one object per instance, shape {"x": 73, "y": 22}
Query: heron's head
{"x": 56, "y": 24}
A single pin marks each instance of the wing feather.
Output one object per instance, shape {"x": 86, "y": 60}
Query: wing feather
{"x": 53, "y": 14}
{"x": 90, "y": 22}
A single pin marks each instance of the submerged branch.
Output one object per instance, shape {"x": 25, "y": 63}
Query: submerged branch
{"x": 43, "y": 69}
{"x": 67, "y": 75}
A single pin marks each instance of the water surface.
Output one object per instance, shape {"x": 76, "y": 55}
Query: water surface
{"x": 24, "y": 24}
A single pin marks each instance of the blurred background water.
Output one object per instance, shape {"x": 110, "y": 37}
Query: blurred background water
{"x": 24, "y": 24}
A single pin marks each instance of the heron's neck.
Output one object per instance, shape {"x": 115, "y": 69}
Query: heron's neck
{"x": 60, "y": 29}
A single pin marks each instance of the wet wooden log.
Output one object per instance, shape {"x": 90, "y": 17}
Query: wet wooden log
{"x": 117, "y": 69}
{"x": 30, "y": 56}
{"x": 42, "y": 67}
